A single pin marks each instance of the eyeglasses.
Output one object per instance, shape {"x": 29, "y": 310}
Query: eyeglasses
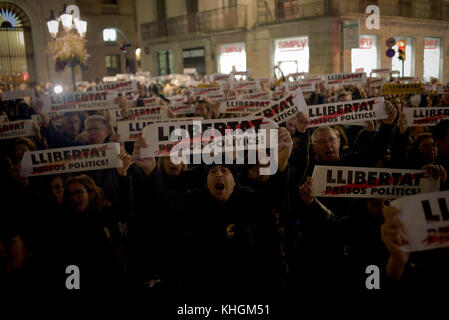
{"x": 95, "y": 129}
{"x": 331, "y": 140}
{"x": 75, "y": 193}
{"x": 428, "y": 145}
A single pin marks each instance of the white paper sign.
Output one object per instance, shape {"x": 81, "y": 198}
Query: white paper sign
{"x": 346, "y": 112}
{"x": 15, "y": 129}
{"x": 345, "y": 78}
{"x": 426, "y": 220}
{"x": 83, "y": 101}
{"x": 123, "y": 86}
{"x": 355, "y": 182}
{"x": 71, "y": 159}
{"x": 284, "y": 109}
{"x": 131, "y": 129}
{"x": 424, "y": 117}
{"x": 157, "y": 135}
{"x": 244, "y": 85}
{"x": 243, "y": 106}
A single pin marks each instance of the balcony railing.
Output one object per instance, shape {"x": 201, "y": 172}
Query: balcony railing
{"x": 271, "y": 11}
{"x": 216, "y": 20}
{"x": 275, "y": 11}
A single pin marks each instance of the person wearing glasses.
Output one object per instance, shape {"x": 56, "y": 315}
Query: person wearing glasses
{"x": 323, "y": 221}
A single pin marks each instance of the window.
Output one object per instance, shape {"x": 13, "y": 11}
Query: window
{"x": 165, "y": 59}
{"x": 112, "y": 62}
{"x": 114, "y": 2}
{"x": 292, "y": 55}
{"x": 366, "y": 55}
{"x": 432, "y": 58}
{"x": 396, "y": 64}
{"x": 109, "y": 35}
{"x": 232, "y": 55}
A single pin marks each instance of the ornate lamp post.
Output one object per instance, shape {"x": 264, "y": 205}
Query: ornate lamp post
{"x": 68, "y": 45}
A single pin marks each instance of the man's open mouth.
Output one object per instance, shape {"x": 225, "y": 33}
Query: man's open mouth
{"x": 219, "y": 186}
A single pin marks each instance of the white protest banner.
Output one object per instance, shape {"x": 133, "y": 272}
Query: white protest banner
{"x": 424, "y": 117}
{"x": 71, "y": 159}
{"x": 145, "y": 74}
{"x": 157, "y": 135}
{"x": 82, "y": 101}
{"x": 426, "y": 220}
{"x": 443, "y": 89}
{"x": 384, "y": 71}
{"x": 346, "y": 112}
{"x": 129, "y": 130}
{"x": 244, "y": 85}
{"x": 355, "y": 182}
{"x": 242, "y": 106}
{"x": 202, "y": 90}
{"x": 402, "y": 88}
{"x": 176, "y": 100}
{"x": 182, "y": 108}
{"x": 147, "y": 113}
{"x": 15, "y": 129}
{"x": 151, "y": 102}
{"x": 17, "y": 94}
{"x": 345, "y": 78}
{"x": 263, "y": 95}
{"x": 124, "y": 86}
{"x": 376, "y": 82}
{"x": 305, "y": 86}
{"x": 218, "y": 96}
{"x": 284, "y": 109}
{"x": 124, "y": 76}
{"x": 109, "y": 79}
{"x": 218, "y": 76}
{"x": 430, "y": 87}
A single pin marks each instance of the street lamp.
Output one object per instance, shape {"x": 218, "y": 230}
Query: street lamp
{"x": 68, "y": 45}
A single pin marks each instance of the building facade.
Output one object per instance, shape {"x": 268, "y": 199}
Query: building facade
{"x": 296, "y": 35}
{"x": 24, "y": 36}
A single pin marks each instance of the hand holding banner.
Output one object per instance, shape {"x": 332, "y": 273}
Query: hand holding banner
{"x": 71, "y": 159}
{"x": 426, "y": 220}
{"x": 355, "y": 182}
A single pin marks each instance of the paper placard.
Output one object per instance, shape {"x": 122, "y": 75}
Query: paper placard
{"x": 96, "y": 100}
{"x": 176, "y": 100}
{"x": 17, "y": 94}
{"x": 182, "y": 108}
{"x": 129, "y": 130}
{"x": 355, "y": 182}
{"x": 242, "y": 106}
{"x": 346, "y": 112}
{"x": 146, "y": 113}
{"x": 402, "y": 88}
{"x": 205, "y": 91}
{"x": 71, "y": 159}
{"x": 304, "y": 86}
{"x": 284, "y": 109}
{"x": 244, "y": 85}
{"x": 424, "y": 117}
{"x": 123, "y": 86}
{"x": 426, "y": 220}
{"x": 345, "y": 78}
{"x": 157, "y": 135}
{"x": 15, "y": 129}
{"x": 263, "y": 95}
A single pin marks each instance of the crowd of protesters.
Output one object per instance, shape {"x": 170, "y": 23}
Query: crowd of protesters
{"x": 154, "y": 224}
